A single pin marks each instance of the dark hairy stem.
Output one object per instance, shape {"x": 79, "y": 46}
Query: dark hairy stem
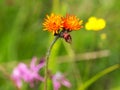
{"x": 47, "y": 60}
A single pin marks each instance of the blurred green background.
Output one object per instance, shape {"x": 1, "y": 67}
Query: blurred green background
{"x": 22, "y": 37}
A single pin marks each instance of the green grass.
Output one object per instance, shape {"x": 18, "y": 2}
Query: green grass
{"x": 22, "y": 37}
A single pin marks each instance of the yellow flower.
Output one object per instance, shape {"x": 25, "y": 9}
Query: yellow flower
{"x": 91, "y": 23}
{"x": 72, "y": 23}
{"x": 101, "y": 23}
{"x": 95, "y": 24}
{"x": 103, "y": 36}
{"x": 53, "y": 23}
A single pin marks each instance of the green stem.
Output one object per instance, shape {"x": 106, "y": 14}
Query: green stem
{"x": 73, "y": 65}
{"x": 56, "y": 6}
{"x": 47, "y": 60}
{"x": 99, "y": 75}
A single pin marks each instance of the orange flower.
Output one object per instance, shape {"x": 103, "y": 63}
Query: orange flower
{"x": 53, "y": 23}
{"x": 72, "y": 23}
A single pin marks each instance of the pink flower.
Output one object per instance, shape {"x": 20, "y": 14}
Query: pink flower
{"x": 28, "y": 74}
{"x": 58, "y": 79}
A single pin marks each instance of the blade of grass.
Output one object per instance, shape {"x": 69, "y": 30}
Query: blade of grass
{"x": 97, "y": 76}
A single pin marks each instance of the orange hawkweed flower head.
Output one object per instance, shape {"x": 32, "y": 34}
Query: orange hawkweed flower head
{"x": 72, "y": 23}
{"x": 61, "y": 26}
{"x": 53, "y": 23}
